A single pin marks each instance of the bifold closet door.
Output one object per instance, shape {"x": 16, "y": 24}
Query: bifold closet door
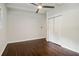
{"x": 58, "y": 29}
{"x": 54, "y": 30}
{"x": 51, "y": 29}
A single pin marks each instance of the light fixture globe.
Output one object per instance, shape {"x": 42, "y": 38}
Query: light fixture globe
{"x": 39, "y": 7}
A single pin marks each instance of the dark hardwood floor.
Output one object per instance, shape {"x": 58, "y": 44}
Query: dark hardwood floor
{"x": 38, "y": 47}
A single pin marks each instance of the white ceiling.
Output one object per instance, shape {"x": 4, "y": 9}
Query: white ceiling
{"x": 32, "y": 8}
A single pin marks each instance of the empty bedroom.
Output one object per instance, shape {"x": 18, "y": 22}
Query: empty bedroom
{"x": 39, "y": 29}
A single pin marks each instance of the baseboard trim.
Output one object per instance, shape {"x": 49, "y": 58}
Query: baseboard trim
{"x": 25, "y": 40}
{"x": 3, "y": 50}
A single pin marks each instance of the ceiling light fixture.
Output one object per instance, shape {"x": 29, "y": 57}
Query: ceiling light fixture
{"x": 39, "y": 7}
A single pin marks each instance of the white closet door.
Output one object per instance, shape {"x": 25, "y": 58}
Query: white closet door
{"x": 54, "y": 31}
{"x": 50, "y": 29}
{"x": 57, "y": 29}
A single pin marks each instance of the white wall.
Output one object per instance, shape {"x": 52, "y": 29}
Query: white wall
{"x": 23, "y": 25}
{"x": 63, "y": 26}
{"x": 3, "y": 29}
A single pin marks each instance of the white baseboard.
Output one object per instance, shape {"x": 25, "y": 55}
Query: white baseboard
{"x": 3, "y": 49}
{"x": 24, "y": 40}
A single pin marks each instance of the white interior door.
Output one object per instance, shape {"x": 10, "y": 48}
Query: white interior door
{"x": 51, "y": 29}
{"x": 57, "y": 29}
{"x": 54, "y": 30}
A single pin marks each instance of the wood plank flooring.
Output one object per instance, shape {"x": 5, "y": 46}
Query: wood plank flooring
{"x": 39, "y": 47}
